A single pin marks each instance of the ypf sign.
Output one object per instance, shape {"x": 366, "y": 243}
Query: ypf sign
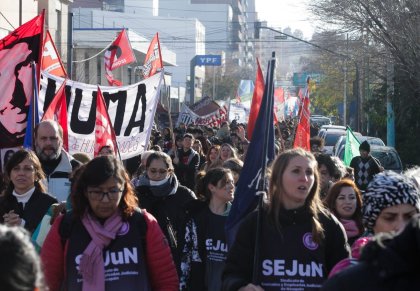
{"x": 208, "y": 60}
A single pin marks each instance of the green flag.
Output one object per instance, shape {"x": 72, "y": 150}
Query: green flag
{"x": 352, "y": 146}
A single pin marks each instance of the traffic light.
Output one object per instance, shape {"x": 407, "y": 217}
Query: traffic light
{"x": 257, "y": 26}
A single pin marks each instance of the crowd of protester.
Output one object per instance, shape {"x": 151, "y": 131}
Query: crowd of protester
{"x": 99, "y": 224}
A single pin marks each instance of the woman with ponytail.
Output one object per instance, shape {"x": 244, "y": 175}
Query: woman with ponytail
{"x": 204, "y": 249}
{"x": 300, "y": 240}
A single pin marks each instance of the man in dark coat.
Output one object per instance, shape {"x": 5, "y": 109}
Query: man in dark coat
{"x": 186, "y": 163}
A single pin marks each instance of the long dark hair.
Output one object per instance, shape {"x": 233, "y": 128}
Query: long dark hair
{"x": 17, "y": 158}
{"x": 97, "y": 172}
{"x": 20, "y": 265}
{"x": 203, "y": 180}
{"x": 276, "y": 190}
{"x": 333, "y": 193}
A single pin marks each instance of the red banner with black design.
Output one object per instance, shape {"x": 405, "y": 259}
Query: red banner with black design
{"x": 18, "y": 50}
{"x": 117, "y": 55}
{"x": 51, "y": 61}
{"x": 57, "y": 110}
{"x": 153, "y": 60}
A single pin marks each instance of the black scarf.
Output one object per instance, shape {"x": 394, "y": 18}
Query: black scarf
{"x": 168, "y": 188}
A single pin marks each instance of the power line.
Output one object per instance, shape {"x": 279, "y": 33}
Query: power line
{"x": 7, "y": 20}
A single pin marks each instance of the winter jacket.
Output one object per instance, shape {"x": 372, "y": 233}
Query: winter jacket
{"x": 385, "y": 264}
{"x": 167, "y": 203}
{"x": 160, "y": 266}
{"x": 364, "y": 170}
{"x": 35, "y": 209}
{"x": 58, "y": 181}
{"x": 288, "y": 259}
{"x": 187, "y": 167}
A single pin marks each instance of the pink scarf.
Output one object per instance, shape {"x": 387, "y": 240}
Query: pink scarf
{"x": 351, "y": 227}
{"x": 92, "y": 263}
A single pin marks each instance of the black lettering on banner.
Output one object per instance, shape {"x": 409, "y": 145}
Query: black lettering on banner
{"x": 49, "y": 93}
{"x": 141, "y": 93}
{"x": 80, "y": 126}
{"x": 68, "y": 96}
{"x": 121, "y": 98}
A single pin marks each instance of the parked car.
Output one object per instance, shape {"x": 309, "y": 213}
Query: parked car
{"x": 370, "y": 139}
{"x": 322, "y": 120}
{"x": 324, "y": 128}
{"x": 388, "y": 157}
{"x": 330, "y": 137}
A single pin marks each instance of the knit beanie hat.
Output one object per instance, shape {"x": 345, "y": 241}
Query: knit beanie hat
{"x": 364, "y": 146}
{"x": 385, "y": 190}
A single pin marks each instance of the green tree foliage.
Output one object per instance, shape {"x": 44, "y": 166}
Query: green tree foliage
{"x": 382, "y": 33}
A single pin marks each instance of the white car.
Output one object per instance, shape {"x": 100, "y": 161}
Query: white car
{"x": 330, "y": 137}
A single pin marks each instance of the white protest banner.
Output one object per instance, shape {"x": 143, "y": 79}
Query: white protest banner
{"x": 238, "y": 112}
{"x": 131, "y": 109}
{"x": 214, "y": 118}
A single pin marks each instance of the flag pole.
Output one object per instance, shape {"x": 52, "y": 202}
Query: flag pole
{"x": 262, "y": 185}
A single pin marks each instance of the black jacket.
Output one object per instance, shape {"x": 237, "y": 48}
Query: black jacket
{"x": 169, "y": 211}
{"x": 186, "y": 171}
{"x": 34, "y": 211}
{"x": 287, "y": 245}
{"x": 385, "y": 264}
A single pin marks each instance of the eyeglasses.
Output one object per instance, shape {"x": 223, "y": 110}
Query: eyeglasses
{"x": 98, "y": 195}
{"x": 160, "y": 171}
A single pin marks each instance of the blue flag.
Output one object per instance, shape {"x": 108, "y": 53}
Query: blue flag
{"x": 260, "y": 153}
{"x": 33, "y": 116}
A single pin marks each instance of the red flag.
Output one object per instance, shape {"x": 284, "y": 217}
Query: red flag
{"x": 256, "y": 100}
{"x": 303, "y": 133}
{"x": 118, "y": 54}
{"x": 51, "y": 61}
{"x": 104, "y": 132}
{"x": 153, "y": 60}
{"x": 57, "y": 110}
{"x": 278, "y": 100}
{"x": 18, "y": 50}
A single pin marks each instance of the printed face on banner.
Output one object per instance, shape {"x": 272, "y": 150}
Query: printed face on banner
{"x": 16, "y": 86}
{"x": 131, "y": 110}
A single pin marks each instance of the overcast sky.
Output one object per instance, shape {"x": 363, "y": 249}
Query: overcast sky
{"x": 284, "y": 13}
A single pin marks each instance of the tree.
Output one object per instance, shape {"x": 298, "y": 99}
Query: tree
{"x": 388, "y": 32}
{"x": 226, "y": 80}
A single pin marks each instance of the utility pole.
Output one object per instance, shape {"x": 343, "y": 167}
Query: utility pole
{"x": 70, "y": 45}
{"x": 20, "y": 12}
{"x": 345, "y": 85}
{"x": 390, "y": 117}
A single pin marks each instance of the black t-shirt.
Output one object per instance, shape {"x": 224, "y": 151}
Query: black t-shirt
{"x": 216, "y": 247}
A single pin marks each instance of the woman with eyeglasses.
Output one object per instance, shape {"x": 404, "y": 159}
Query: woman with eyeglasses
{"x": 204, "y": 248}
{"x": 161, "y": 195}
{"x": 106, "y": 242}
{"x": 25, "y": 200}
